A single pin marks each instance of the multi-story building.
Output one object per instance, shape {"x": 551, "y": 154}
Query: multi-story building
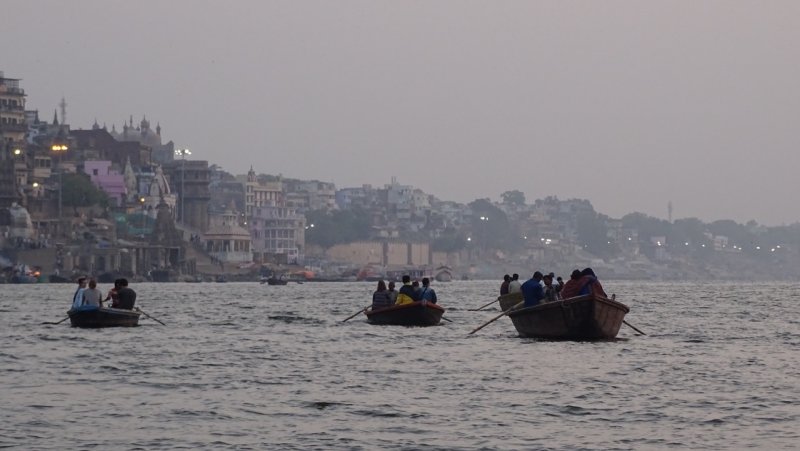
{"x": 310, "y": 195}
{"x": 278, "y": 234}
{"x": 144, "y": 135}
{"x": 12, "y": 141}
{"x": 259, "y": 192}
{"x": 364, "y": 197}
{"x": 190, "y": 180}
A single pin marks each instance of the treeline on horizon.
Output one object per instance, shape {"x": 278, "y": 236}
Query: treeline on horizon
{"x": 686, "y": 236}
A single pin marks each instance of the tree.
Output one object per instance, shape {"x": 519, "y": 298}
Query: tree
{"x": 336, "y": 227}
{"x": 449, "y": 241}
{"x": 494, "y": 230}
{"x": 78, "y": 191}
{"x": 514, "y": 197}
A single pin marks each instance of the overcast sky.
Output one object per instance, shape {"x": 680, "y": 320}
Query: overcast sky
{"x": 629, "y": 104}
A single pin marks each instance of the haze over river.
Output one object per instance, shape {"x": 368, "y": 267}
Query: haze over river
{"x": 250, "y": 366}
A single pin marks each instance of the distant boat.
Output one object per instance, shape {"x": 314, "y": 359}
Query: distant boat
{"x": 587, "y": 317}
{"x": 91, "y": 316}
{"x": 53, "y": 278}
{"x": 277, "y": 281}
{"x": 443, "y": 274}
{"x": 413, "y": 314}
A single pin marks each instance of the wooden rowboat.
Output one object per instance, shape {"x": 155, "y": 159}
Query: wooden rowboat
{"x": 509, "y": 300}
{"x": 585, "y": 317}
{"x": 95, "y": 317}
{"x": 413, "y": 314}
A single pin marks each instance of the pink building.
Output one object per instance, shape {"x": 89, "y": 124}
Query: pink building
{"x": 108, "y": 180}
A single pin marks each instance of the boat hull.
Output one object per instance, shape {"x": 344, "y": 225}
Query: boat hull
{"x": 580, "y": 318}
{"x": 509, "y": 300}
{"x": 413, "y": 314}
{"x": 95, "y": 317}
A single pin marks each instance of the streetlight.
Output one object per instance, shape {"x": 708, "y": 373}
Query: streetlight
{"x": 144, "y": 217}
{"x": 182, "y": 153}
{"x": 57, "y": 148}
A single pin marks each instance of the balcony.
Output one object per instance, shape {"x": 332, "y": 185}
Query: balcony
{"x": 12, "y": 108}
{"x": 21, "y": 128}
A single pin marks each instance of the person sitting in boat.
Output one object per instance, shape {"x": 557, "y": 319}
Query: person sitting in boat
{"x": 514, "y": 286}
{"x": 127, "y": 297}
{"x": 427, "y": 293}
{"x": 571, "y": 288}
{"x": 581, "y": 283}
{"x": 504, "y": 285}
{"x": 532, "y": 290}
{"x": 91, "y": 295}
{"x": 392, "y": 292}
{"x": 113, "y": 295}
{"x": 550, "y": 291}
{"x": 589, "y": 284}
{"x": 407, "y": 293}
{"x": 77, "y": 298}
{"x": 381, "y": 298}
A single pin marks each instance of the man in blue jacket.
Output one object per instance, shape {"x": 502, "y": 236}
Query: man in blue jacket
{"x": 532, "y": 290}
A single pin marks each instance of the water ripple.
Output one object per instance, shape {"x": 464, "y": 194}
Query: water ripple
{"x": 275, "y": 368}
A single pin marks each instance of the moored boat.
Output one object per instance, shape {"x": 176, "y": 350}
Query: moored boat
{"x": 277, "y": 281}
{"x": 94, "y": 317}
{"x": 413, "y": 314}
{"x": 587, "y": 317}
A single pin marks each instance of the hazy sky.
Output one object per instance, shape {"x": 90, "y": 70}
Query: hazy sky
{"x": 629, "y": 104}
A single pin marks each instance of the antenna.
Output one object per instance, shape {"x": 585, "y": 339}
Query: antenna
{"x": 63, "y": 106}
{"x": 669, "y": 211}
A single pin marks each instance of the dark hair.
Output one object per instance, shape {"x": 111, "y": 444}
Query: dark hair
{"x": 576, "y": 274}
{"x": 123, "y": 282}
{"x": 381, "y": 285}
{"x": 426, "y": 281}
{"x": 588, "y": 272}
{"x": 81, "y": 280}
{"x": 415, "y": 283}
{"x": 537, "y": 275}
{"x": 559, "y": 279}
{"x": 406, "y": 278}
{"x": 391, "y": 284}
{"x": 507, "y": 278}
{"x": 515, "y": 276}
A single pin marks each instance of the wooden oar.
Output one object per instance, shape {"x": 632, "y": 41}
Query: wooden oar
{"x": 484, "y": 306}
{"x": 447, "y": 319}
{"x": 49, "y": 322}
{"x": 355, "y": 314}
{"x": 497, "y": 317}
{"x": 145, "y": 314}
{"x": 629, "y": 325}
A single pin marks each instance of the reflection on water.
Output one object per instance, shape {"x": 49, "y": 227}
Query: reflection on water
{"x": 250, "y": 366}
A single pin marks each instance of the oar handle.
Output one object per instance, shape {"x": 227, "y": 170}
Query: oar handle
{"x": 486, "y": 305}
{"x": 355, "y": 314}
{"x": 497, "y": 317}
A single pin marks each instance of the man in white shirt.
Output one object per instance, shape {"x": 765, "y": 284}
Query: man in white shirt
{"x": 515, "y": 286}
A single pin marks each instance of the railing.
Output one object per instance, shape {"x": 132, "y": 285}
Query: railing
{"x": 7, "y": 107}
{"x": 13, "y": 127}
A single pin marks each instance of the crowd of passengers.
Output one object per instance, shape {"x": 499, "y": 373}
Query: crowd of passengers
{"x": 540, "y": 288}
{"x": 409, "y": 292}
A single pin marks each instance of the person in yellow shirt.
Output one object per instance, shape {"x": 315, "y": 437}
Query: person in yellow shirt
{"x": 407, "y": 293}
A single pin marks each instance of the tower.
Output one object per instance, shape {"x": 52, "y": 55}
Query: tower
{"x": 63, "y": 106}
{"x": 669, "y": 211}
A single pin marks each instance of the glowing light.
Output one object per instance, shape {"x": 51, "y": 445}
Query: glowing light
{"x": 17, "y": 151}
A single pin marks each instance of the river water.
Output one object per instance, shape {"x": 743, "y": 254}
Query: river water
{"x": 250, "y": 366}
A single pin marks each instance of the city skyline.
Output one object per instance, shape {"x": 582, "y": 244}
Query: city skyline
{"x": 630, "y": 107}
